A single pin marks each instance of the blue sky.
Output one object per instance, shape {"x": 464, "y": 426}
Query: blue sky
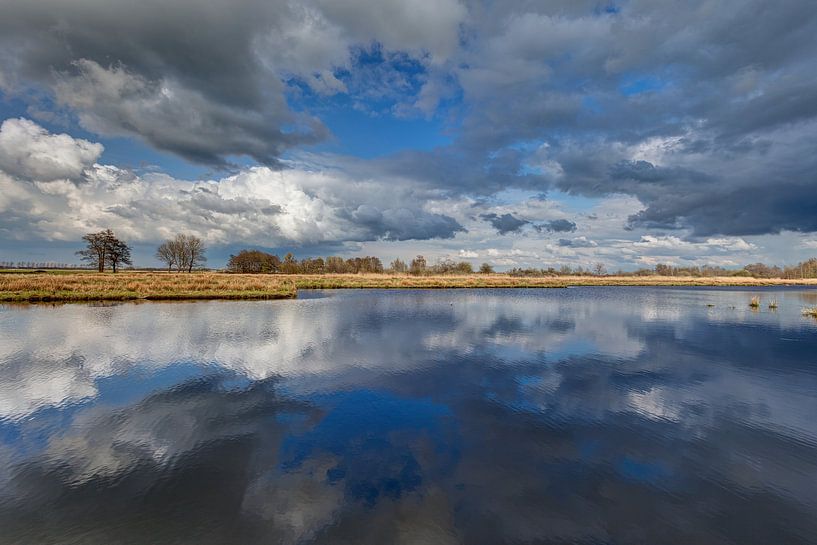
{"x": 647, "y": 132}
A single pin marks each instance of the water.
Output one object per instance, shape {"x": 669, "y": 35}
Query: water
{"x": 584, "y": 415}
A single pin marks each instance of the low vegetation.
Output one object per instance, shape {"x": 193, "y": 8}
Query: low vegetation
{"x": 131, "y": 285}
{"x": 141, "y": 285}
{"x": 812, "y": 311}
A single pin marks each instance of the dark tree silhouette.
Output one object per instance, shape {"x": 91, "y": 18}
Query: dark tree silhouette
{"x": 96, "y": 249}
{"x": 118, "y": 253}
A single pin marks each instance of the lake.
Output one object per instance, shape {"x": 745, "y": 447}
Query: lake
{"x": 580, "y": 415}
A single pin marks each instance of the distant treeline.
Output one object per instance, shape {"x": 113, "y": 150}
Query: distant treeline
{"x": 256, "y": 261}
{"x": 39, "y": 265}
{"x": 804, "y": 269}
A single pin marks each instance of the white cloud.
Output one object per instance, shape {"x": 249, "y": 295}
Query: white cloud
{"x": 303, "y": 204}
{"x": 29, "y": 151}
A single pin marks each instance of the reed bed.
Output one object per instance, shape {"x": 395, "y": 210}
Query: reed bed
{"x": 142, "y": 285}
{"x": 91, "y": 286}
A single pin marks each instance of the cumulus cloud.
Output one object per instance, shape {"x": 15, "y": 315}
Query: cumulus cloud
{"x": 29, "y": 151}
{"x": 596, "y": 103}
{"x": 296, "y": 205}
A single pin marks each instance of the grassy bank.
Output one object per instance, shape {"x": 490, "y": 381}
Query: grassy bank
{"x": 89, "y": 286}
{"x": 86, "y": 286}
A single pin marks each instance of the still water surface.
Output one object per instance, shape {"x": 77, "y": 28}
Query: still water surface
{"x": 583, "y": 415}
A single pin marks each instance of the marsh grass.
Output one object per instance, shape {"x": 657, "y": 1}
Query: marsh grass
{"x": 755, "y": 302}
{"x": 93, "y": 286}
{"x": 811, "y": 311}
{"x": 130, "y": 286}
{"x": 773, "y": 304}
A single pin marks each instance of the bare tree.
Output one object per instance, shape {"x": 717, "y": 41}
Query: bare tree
{"x": 486, "y": 268}
{"x": 399, "y": 266}
{"x": 599, "y": 269}
{"x": 194, "y": 252}
{"x": 166, "y": 254}
{"x": 184, "y": 252}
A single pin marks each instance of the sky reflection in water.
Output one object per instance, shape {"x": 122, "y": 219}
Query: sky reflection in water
{"x": 600, "y": 415}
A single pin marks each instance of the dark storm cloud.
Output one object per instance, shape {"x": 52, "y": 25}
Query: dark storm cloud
{"x": 557, "y": 226}
{"x": 183, "y": 76}
{"x": 506, "y": 223}
{"x": 706, "y": 112}
{"x": 716, "y": 142}
{"x": 403, "y": 223}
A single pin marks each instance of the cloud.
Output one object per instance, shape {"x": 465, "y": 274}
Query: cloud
{"x": 566, "y": 98}
{"x": 506, "y": 223}
{"x": 578, "y": 242}
{"x": 28, "y": 151}
{"x": 557, "y": 226}
{"x": 301, "y": 204}
{"x": 131, "y": 69}
{"x": 115, "y": 102}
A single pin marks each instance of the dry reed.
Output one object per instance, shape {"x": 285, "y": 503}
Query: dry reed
{"x": 89, "y": 286}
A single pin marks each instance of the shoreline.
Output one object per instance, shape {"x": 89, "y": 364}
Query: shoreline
{"x": 162, "y": 286}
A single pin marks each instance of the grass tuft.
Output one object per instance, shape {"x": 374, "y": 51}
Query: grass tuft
{"x": 755, "y": 301}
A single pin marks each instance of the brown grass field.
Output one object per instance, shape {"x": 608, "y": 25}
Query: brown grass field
{"x": 92, "y": 286}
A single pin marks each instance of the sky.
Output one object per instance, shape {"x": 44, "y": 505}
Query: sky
{"x": 524, "y": 134}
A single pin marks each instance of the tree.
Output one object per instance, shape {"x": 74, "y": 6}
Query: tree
{"x": 398, "y": 266}
{"x": 599, "y": 269}
{"x": 194, "y": 252}
{"x": 103, "y": 248}
{"x": 118, "y": 253}
{"x": 184, "y": 252}
{"x": 663, "y": 270}
{"x": 486, "y": 268}
{"x": 254, "y": 261}
{"x": 96, "y": 250}
{"x": 167, "y": 254}
{"x": 290, "y": 264}
{"x": 464, "y": 267}
{"x": 418, "y": 265}
{"x": 335, "y": 264}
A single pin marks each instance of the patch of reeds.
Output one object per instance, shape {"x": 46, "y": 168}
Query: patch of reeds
{"x": 755, "y": 301}
{"x": 93, "y": 286}
{"x": 773, "y": 304}
{"x": 150, "y": 286}
{"x": 810, "y": 311}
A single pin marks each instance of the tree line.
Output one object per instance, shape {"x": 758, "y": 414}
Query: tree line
{"x": 804, "y": 269}
{"x": 38, "y": 265}
{"x": 185, "y": 252}
{"x": 257, "y": 261}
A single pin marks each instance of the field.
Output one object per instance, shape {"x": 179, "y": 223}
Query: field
{"x": 92, "y": 286}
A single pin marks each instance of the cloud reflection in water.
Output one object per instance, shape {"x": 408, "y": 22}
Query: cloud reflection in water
{"x": 593, "y": 414}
